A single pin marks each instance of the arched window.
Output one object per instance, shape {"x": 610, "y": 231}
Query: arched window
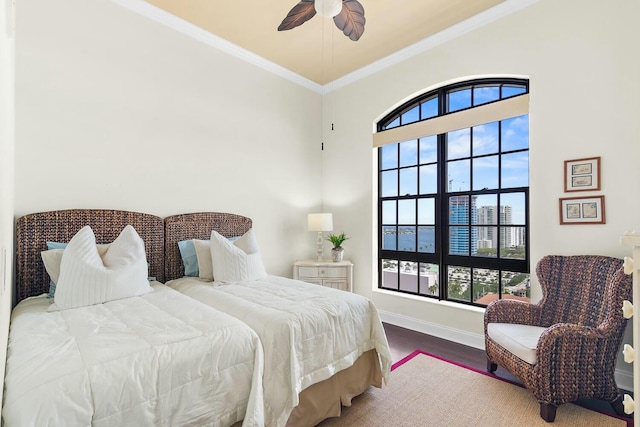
{"x": 453, "y": 193}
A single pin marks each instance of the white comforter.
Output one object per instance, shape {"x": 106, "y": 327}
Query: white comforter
{"x": 161, "y": 359}
{"x": 309, "y": 332}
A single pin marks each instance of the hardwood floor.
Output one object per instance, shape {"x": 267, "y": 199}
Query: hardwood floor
{"x": 403, "y": 342}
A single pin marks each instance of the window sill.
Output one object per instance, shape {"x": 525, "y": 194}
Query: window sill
{"x": 450, "y": 304}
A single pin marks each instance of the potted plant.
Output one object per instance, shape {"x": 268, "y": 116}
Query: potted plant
{"x": 337, "y": 250}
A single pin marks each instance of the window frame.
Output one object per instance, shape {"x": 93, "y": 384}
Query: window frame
{"x": 441, "y": 255}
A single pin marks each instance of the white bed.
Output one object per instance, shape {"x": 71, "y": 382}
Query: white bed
{"x": 309, "y": 332}
{"x": 135, "y": 361}
{"x": 159, "y": 358}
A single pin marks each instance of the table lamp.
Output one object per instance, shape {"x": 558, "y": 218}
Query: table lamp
{"x": 320, "y": 222}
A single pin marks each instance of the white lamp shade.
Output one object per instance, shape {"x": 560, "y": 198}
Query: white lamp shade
{"x": 328, "y": 8}
{"x": 320, "y": 222}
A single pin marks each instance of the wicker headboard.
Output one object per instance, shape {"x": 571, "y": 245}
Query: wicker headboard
{"x": 34, "y": 230}
{"x": 196, "y": 226}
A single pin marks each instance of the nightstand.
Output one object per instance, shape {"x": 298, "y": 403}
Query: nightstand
{"x": 331, "y": 274}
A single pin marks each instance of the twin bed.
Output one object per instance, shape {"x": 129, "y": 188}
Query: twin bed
{"x": 272, "y": 351}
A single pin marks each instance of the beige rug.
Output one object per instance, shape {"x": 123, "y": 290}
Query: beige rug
{"x": 426, "y": 391}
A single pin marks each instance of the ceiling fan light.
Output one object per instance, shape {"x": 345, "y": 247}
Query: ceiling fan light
{"x": 328, "y": 8}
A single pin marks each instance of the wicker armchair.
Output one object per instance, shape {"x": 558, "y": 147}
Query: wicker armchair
{"x": 579, "y": 325}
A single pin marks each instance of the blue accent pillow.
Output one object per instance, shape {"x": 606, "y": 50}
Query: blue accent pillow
{"x": 56, "y": 245}
{"x": 52, "y": 285}
{"x": 189, "y": 258}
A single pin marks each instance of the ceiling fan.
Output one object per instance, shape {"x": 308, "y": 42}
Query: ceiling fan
{"x": 348, "y": 15}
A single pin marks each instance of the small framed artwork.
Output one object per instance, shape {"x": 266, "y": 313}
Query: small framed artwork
{"x": 582, "y": 210}
{"x": 582, "y": 174}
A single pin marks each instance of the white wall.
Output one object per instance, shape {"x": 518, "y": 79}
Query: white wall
{"x": 7, "y": 44}
{"x": 117, "y": 111}
{"x": 583, "y": 68}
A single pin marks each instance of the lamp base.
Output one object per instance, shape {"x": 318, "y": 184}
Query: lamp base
{"x": 319, "y": 243}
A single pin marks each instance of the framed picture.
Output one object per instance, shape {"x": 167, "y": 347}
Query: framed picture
{"x": 582, "y": 210}
{"x": 582, "y": 174}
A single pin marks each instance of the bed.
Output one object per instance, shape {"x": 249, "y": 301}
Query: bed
{"x": 160, "y": 358}
{"x": 322, "y": 346}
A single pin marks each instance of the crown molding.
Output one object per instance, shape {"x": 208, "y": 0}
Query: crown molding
{"x": 484, "y": 18}
{"x": 165, "y": 18}
{"x": 477, "y": 21}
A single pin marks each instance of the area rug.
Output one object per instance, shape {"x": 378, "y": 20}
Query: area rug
{"x": 425, "y": 390}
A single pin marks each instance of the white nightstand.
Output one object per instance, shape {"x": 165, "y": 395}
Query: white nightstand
{"x": 331, "y": 274}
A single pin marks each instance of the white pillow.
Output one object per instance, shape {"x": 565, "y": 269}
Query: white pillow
{"x": 52, "y": 259}
{"x": 86, "y": 278}
{"x": 236, "y": 261}
{"x": 203, "y": 253}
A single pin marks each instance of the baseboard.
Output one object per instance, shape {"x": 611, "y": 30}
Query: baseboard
{"x": 624, "y": 377}
{"x": 435, "y": 329}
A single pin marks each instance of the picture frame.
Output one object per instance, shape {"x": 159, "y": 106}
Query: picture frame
{"x": 582, "y": 210}
{"x": 582, "y": 174}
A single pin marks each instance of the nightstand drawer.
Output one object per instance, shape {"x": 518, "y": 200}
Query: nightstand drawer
{"x": 322, "y": 272}
{"x": 338, "y": 275}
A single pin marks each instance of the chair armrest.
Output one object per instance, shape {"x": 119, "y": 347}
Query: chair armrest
{"x": 511, "y": 311}
{"x": 565, "y": 338}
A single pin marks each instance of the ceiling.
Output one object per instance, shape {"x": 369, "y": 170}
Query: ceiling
{"x": 317, "y": 50}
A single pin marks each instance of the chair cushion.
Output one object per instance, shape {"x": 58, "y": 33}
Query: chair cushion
{"x": 520, "y": 340}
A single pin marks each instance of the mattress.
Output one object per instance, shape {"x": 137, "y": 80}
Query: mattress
{"x": 159, "y": 359}
{"x": 309, "y": 332}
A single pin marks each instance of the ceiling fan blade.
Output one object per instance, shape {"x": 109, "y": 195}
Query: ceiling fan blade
{"x": 351, "y": 19}
{"x": 300, "y": 14}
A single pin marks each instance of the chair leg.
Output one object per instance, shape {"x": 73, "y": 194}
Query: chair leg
{"x": 491, "y": 367}
{"x": 618, "y": 406}
{"x": 548, "y": 412}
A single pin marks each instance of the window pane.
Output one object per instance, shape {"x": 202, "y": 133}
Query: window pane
{"x": 512, "y": 242}
{"x": 428, "y": 149}
{"x": 515, "y": 133}
{"x": 429, "y": 279}
{"x": 484, "y": 94}
{"x": 389, "y": 274}
{"x": 408, "y": 181}
{"x": 389, "y": 212}
{"x": 512, "y": 210}
{"x": 486, "y": 209}
{"x": 515, "y": 170}
{"x": 485, "y": 139}
{"x": 389, "y": 156}
{"x": 411, "y": 116}
{"x": 426, "y": 211}
{"x": 429, "y": 108}
{"x": 426, "y": 239}
{"x": 428, "y": 179}
{"x": 458, "y": 144}
{"x": 459, "y": 99}
{"x": 409, "y": 153}
{"x": 409, "y": 276}
{"x": 458, "y": 173}
{"x": 407, "y": 238}
{"x": 389, "y": 238}
{"x": 459, "y": 240}
{"x": 516, "y": 284}
{"x": 406, "y": 211}
{"x": 459, "y": 283}
{"x": 393, "y": 124}
{"x": 459, "y": 210}
{"x": 486, "y": 238}
{"x": 485, "y": 285}
{"x": 389, "y": 184}
{"x": 508, "y": 91}
{"x": 485, "y": 173}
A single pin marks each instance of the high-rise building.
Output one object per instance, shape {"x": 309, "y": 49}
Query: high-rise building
{"x": 463, "y": 240}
